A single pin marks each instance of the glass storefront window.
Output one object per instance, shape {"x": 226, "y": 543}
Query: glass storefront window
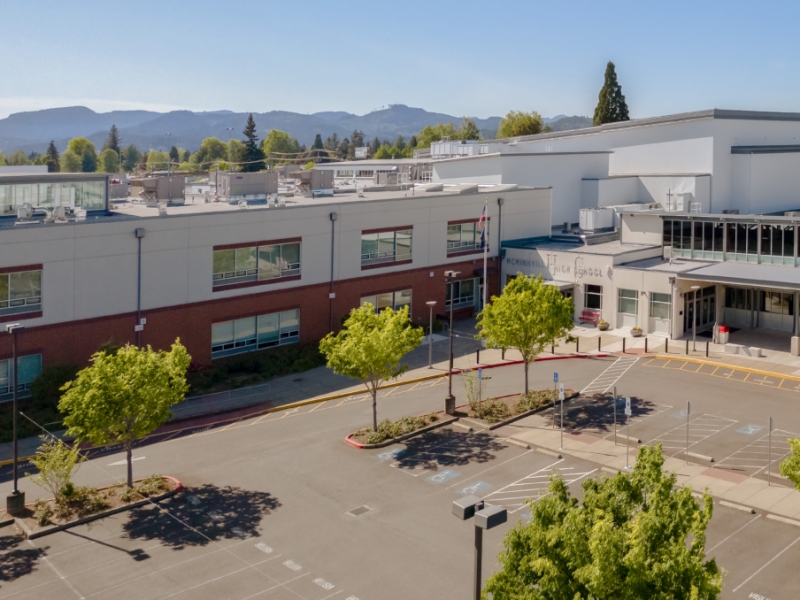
{"x": 628, "y": 302}
{"x": 255, "y": 333}
{"x": 660, "y": 306}
{"x": 593, "y": 297}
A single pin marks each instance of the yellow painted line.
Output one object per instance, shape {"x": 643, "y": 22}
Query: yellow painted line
{"x": 389, "y": 393}
{"x": 735, "y": 368}
{"x": 747, "y": 376}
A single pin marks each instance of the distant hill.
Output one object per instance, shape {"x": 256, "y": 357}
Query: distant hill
{"x": 564, "y": 123}
{"x": 31, "y": 131}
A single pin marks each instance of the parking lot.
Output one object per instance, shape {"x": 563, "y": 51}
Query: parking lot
{"x": 278, "y": 506}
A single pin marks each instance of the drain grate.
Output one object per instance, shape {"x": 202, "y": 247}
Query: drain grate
{"x": 359, "y": 511}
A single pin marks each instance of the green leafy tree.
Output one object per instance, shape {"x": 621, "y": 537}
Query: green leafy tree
{"x": 529, "y": 315}
{"x": 112, "y": 141}
{"x": 428, "y": 134}
{"x": 280, "y": 147}
{"x": 633, "y": 536}
{"x": 71, "y": 162}
{"x": 18, "y": 159}
{"x": 3, "y": 162}
{"x": 235, "y": 152}
{"x": 253, "y": 155}
{"x": 611, "y": 106}
{"x": 790, "y": 467}
{"x": 57, "y": 463}
{"x": 468, "y": 130}
{"x": 174, "y": 155}
{"x": 52, "y": 158}
{"x": 89, "y": 160}
{"x": 108, "y": 161}
{"x": 318, "y": 145}
{"x": 211, "y": 150}
{"x": 79, "y": 145}
{"x": 157, "y": 160}
{"x": 130, "y": 158}
{"x": 517, "y": 123}
{"x": 124, "y": 396}
{"x": 370, "y": 346}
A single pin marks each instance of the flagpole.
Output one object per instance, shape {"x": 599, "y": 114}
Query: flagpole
{"x": 485, "y": 253}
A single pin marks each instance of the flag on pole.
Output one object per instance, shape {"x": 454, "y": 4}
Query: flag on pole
{"x": 481, "y": 228}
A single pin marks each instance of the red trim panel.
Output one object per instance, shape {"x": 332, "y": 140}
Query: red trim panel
{"x": 20, "y": 269}
{"x": 386, "y": 264}
{"x": 385, "y": 229}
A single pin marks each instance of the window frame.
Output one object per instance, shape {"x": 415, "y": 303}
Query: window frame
{"x": 386, "y": 246}
{"x": 22, "y": 301}
{"x": 255, "y": 340}
{"x": 394, "y": 305}
{"x": 634, "y": 297}
{"x": 248, "y": 273}
{"x": 461, "y": 246}
{"x": 587, "y": 293}
{"x": 7, "y": 380}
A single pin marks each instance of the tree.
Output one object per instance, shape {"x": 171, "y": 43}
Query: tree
{"x": 253, "y": 156}
{"x": 633, "y": 536}
{"x": 517, "y": 123}
{"x": 611, "y": 106}
{"x": 529, "y": 315}
{"x": 318, "y": 145}
{"x": 211, "y": 150}
{"x": 130, "y": 158}
{"x": 370, "y": 346}
{"x": 52, "y": 158}
{"x": 18, "y": 159}
{"x": 332, "y": 143}
{"x": 344, "y": 149}
{"x": 235, "y": 154}
{"x": 174, "y": 156}
{"x": 108, "y": 161}
{"x": 56, "y": 463}
{"x": 412, "y": 143}
{"x": 400, "y": 143}
{"x": 280, "y": 147}
{"x": 790, "y": 467}
{"x": 3, "y": 162}
{"x": 71, "y": 162}
{"x": 89, "y": 160}
{"x": 373, "y": 147}
{"x": 468, "y": 130}
{"x": 112, "y": 141}
{"x": 428, "y": 134}
{"x": 79, "y": 144}
{"x": 157, "y": 160}
{"x": 124, "y": 396}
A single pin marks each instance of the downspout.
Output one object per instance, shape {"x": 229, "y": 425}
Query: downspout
{"x": 331, "y": 294}
{"x": 139, "y": 233}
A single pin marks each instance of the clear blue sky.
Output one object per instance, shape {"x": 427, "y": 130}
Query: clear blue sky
{"x": 461, "y": 58}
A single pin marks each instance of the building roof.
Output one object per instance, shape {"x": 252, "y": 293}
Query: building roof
{"x": 358, "y": 164}
{"x": 612, "y": 248}
{"x": 746, "y": 274}
{"x": 515, "y": 154}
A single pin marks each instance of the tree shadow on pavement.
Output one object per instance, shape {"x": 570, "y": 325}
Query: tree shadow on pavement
{"x": 596, "y": 412}
{"x": 15, "y": 561}
{"x": 201, "y": 515}
{"x": 447, "y": 448}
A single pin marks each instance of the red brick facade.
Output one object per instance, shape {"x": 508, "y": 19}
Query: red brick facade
{"x": 75, "y": 342}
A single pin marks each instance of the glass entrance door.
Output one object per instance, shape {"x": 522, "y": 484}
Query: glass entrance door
{"x": 705, "y": 304}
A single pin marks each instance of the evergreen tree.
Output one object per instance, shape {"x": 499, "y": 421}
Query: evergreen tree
{"x": 344, "y": 147}
{"x": 469, "y": 130}
{"x": 318, "y": 145}
{"x": 373, "y": 147}
{"x": 130, "y": 158}
{"x": 173, "y": 155}
{"x": 53, "y": 159}
{"x": 400, "y": 143}
{"x": 412, "y": 143}
{"x": 253, "y": 156}
{"x": 112, "y": 141}
{"x": 357, "y": 139}
{"x": 89, "y": 161}
{"x": 611, "y": 105}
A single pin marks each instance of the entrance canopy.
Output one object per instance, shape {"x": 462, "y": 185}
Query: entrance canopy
{"x": 743, "y": 274}
{"x": 561, "y": 285}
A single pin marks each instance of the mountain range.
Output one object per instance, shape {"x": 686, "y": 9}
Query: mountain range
{"x": 32, "y": 131}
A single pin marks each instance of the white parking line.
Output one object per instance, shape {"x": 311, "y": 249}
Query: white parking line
{"x": 718, "y": 544}
{"x": 736, "y": 589}
{"x": 608, "y": 378}
{"x": 489, "y": 469}
{"x": 755, "y": 457}
{"x": 701, "y": 428}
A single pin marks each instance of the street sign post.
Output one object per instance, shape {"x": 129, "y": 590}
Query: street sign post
{"x": 561, "y": 398}
{"x": 555, "y": 381}
{"x": 628, "y": 413}
{"x": 769, "y": 462}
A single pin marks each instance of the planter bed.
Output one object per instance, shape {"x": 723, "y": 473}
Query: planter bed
{"x": 110, "y": 495}
{"x": 509, "y": 405}
{"x": 355, "y": 439}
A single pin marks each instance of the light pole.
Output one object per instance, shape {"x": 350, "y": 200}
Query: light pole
{"x": 450, "y": 401}
{"x": 230, "y": 158}
{"x": 485, "y": 518}
{"x": 431, "y": 304}
{"x": 15, "y": 501}
{"x": 694, "y": 318}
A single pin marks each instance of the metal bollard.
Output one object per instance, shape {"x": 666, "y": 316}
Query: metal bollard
{"x": 645, "y": 345}
{"x": 552, "y": 349}
{"x": 623, "y": 345}
{"x": 666, "y": 345}
{"x": 478, "y": 357}
{"x": 577, "y": 345}
{"x": 706, "y": 349}
{"x": 598, "y": 343}
{"x": 687, "y": 347}
{"x": 503, "y": 354}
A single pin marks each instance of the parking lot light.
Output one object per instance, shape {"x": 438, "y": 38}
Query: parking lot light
{"x": 486, "y": 517}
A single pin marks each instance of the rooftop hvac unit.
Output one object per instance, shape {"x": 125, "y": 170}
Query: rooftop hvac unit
{"x": 592, "y": 219}
{"x": 730, "y": 211}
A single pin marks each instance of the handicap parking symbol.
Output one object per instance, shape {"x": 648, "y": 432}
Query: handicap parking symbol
{"x": 443, "y": 476}
{"x": 390, "y": 454}
{"x": 476, "y": 489}
{"x": 750, "y": 429}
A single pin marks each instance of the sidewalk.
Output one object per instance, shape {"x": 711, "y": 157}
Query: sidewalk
{"x": 724, "y": 485}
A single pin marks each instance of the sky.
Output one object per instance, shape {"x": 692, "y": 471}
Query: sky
{"x": 457, "y": 57}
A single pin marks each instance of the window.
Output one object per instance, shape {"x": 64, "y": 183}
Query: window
{"x": 395, "y": 300}
{"x": 628, "y": 302}
{"x": 344, "y": 173}
{"x": 660, "y": 306}
{"x": 777, "y": 303}
{"x": 255, "y": 333}
{"x": 593, "y": 297}
{"x": 384, "y": 247}
{"x": 20, "y": 292}
{"x": 463, "y": 237}
{"x": 738, "y": 298}
{"x": 28, "y": 368}
{"x": 89, "y": 195}
{"x": 365, "y": 173}
{"x": 464, "y": 292}
{"x": 777, "y": 244}
{"x": 256, "y": 263}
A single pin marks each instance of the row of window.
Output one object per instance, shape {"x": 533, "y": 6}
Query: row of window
{"x": 394, "y": 300}
{"x": 255, "y": 333}
{"x": 732, "y": 241}
{"x": 628, "y": 302}
{"x": 778, "y": 303}
{"x": 463, "y": 237}
{"x": 256, "y": 263}
{"x": 28, "y": 369}
{"x": 20, "y": 292}
{"x": 89, "y": 195}
{"x": 387, "y": 246}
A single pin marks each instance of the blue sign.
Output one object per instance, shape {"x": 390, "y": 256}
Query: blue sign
{"x": 555, "y": 377}
{"x": 480, "y": 373}
{"x": 475, "y": 489}
{"x": 390, "y": 454}
{"x": 443, "y": 476}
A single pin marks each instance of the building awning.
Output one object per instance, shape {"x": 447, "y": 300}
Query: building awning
{"x": 479, "y": 272}
{"x": 748, "y": 275}
{"x": 561, "y": 285}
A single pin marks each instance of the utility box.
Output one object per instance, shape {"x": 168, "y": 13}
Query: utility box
{"x": 259, "y": 184}
{"x": 464, "y": 508}
{"x": 795, "y": 345}
{"x": 592, "y": 219}
{"x": 167, "y": 188}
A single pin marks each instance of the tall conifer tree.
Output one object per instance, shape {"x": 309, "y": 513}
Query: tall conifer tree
{"x": 253, "y": 157}
{"x": 112, "y": 141}
{"x": 611, "y": 105}
{"x": 53, "y": 159}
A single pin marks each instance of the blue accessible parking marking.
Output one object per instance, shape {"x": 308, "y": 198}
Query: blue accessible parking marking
{"x": 475, "y": 489}
{"x": 681, "y": 414}
{"x": 750, "y": 429}
{"x": 390, "y": 454}
{"x": 443, "y": 476}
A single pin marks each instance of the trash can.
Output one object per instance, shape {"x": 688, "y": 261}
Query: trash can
{"x": 724, "y": 332}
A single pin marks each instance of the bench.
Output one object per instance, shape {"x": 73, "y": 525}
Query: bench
{"x": 590, "y": 316}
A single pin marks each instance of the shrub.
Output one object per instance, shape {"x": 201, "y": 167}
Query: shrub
{"x": 79, "y": 500}
{"x": 42, "y": 512}
{"x": 494, "y": 410}
{"x": 57, "y": 463}
{"x": 388, "y": 429}
{"x": 533, "y": 400}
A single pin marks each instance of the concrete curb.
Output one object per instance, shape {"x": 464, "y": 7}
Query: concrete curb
{"x": 32, "y": 535}
{"x": 726, "y": 366}
{"x": 402, "y": 438}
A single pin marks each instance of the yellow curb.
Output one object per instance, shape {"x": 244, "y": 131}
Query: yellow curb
{"x": 21, "y": 459}
{"x": 725, "y": 365}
